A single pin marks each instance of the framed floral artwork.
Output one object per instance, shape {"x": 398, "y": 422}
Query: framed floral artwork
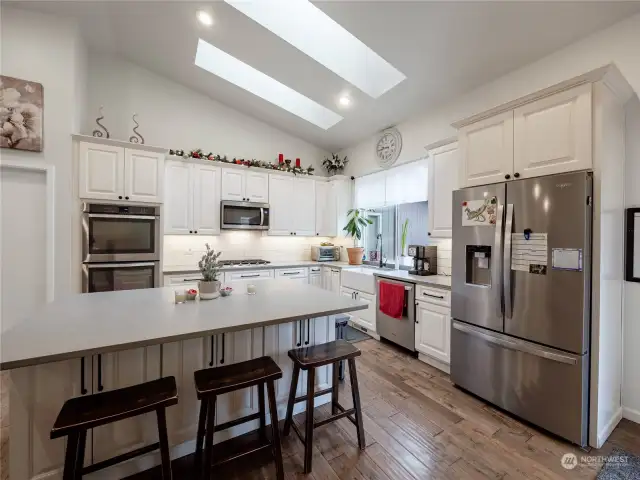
{"x": 21, "y": 114}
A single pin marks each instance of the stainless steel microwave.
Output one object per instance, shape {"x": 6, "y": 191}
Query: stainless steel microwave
{"x": 244, "y": 216}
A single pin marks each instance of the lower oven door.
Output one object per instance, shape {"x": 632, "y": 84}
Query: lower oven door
{"x": 542, "y": 385}
{"x": 109, "y": 277}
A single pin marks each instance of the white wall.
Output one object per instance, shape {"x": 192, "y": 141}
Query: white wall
{"x": 617, "y": 44}
{"x": 173, "y": 116}
{"x": 51, "y": 54}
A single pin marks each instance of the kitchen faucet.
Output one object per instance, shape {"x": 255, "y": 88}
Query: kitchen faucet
{"x": 382, "y": 263}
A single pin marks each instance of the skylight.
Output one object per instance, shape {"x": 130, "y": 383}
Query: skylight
{"x": 311, "y": 31}
{"x": 245, "y": 76}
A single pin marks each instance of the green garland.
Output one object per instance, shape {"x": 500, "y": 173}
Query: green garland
{"x": 281, "y": 167}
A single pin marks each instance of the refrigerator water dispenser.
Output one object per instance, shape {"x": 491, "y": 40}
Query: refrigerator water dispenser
{"x": 478, "y": 265}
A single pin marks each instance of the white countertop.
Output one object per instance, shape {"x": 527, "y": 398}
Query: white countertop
{"x": 177, "y": 269}
{"x": 85, "y": 324}
{"x": 438, "y": 281}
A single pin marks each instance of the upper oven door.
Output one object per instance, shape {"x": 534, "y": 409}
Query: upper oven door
{"x": 244, "y": 216}
{"x": 120, "y": 238}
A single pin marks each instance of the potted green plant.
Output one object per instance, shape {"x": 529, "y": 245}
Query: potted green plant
{"x": 403, "y": 238}
{"x": 335, "y": 164}
{"x": 356, "y": 222}
{"x": 209, "y": 266}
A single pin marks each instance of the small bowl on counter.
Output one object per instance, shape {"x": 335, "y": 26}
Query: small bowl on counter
{"x": 226, "y": 291}
{"x": 191, "y": 294}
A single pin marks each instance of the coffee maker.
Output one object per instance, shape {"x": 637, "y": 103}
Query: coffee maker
{"x": 425, "y": 259}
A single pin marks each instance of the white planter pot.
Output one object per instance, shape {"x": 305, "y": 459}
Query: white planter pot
{"x": 209, "y": 290}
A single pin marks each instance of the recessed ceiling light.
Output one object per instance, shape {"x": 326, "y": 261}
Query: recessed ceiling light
{"x": 314, "y": 33}
{"x": 205, "y": 18}
{"x": 231, "y": 69}
{"x": 344, "y": 101}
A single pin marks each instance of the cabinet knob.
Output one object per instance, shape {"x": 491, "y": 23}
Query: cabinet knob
{"x": 195, "y": 231}
{"x": 190, "y": 231}
{"x": 294, "y": 233}
{"x": 126, "y": 198}
{"x": 507, "y": 176}
{"x": 429, "y": 233}
{"x": 517, "y": 175}
{"x": 119, "y": 197}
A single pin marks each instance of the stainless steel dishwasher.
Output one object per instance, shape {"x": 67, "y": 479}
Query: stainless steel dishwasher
{"x": 401, "y": 331}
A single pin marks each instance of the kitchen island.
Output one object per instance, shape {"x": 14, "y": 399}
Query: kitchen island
{"x": 87, "y": 343}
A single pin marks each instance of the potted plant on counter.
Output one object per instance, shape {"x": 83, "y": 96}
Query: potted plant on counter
{"x": 356, "y": 222}
{"x": 209, "y": 286}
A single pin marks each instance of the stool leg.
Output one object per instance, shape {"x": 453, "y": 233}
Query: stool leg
{"x": 263, "y": 419}
{"x": 334, "y": 388}
{"x": 208, "y": 441}
{"x": 202, "y": 419}
{"x": 292, "y": 396}
{"x": 275, "y": 432}
{"x": 82, "y": 441}
{"x": 71, "y": 457}
{"x": 164, "y": 443}
{"x": 308, "y": 437}
{"x": 355, "y": 391}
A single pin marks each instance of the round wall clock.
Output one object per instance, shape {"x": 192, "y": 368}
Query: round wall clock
{"x": 388, "y": 147}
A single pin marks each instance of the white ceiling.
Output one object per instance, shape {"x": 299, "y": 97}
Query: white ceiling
{"x": 444, "y": 48}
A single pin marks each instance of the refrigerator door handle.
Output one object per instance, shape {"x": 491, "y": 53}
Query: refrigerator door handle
{"x": 516, "y": 345}
{"x": 506, "y": 264}
{"x": 496, "y": 272}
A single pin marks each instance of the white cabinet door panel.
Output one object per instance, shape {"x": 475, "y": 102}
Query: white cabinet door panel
{"x": 433, "y": 331}
{"x": 206, "y": 200}
{"x": 367, "y": 318}
{"x": 487, "y": 150}
{"x": 304, "y": 207}
{"x": 370, "y": 190}
{"x": 443, "y": 181}
{"x": 178, "y": 198}
{"x": 553, "y": 135}
{"x": 281, "y": 205}
{"x": 143, "y": 176}
{"x": 101, "y": 172}
{"x": 233, "y": 182}
{"x": 256, "y": 186}
{"x": 326, "y": 215}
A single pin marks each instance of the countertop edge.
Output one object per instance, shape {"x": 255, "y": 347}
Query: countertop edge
{"x": 178, "y": 270}
{"x": 424, "y": 282}
{"x": 77, "y": 354}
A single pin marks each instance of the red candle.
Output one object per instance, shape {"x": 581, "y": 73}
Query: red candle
{"x": 280, "y": 158}
{"x": 298, "y": 162}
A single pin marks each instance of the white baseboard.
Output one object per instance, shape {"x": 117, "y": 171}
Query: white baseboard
{"x": 434, "y": 362}
{"x": 631, "y": 414}
{"x": 608, "y": 428}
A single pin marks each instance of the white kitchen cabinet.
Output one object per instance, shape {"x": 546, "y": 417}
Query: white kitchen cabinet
{"x": 553, "y": 134}
{"x": 326, "y": 209}
{"x": 343, "y": 194}
{"x": 407, "y": 183}
{"x": 335, "y": 280}
{"x": 315, "y": 277}
{"x": 487, "y": 150}
{"x": 240, "y": 280}
{"x": 370, "y": 190}
{"x": 443, "y": 181}
{"x": 113, "y": 171}
{"x": 245, "y": 185}
{"x": 433, "y": 331}
{"x": 192, "y": 203}
{"x": 143, "y": 172}
{"x": 101, "y": 171}
{"x": 363, "y": 318}
{"x": 292, "y": 204}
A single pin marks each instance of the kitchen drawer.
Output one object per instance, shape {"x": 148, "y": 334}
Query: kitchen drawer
{"x": 292, "y": 272}
{"x": 177, "y": 280}
{"x": 247, "y": 275}
{"x": 437, "y": 296}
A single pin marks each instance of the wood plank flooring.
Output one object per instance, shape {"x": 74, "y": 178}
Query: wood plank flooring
{"x": 419, "y": 426}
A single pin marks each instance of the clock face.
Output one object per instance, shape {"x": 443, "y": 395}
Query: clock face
{"x": 388, "y": 147}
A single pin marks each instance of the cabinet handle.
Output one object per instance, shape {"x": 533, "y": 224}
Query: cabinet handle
{"x": 291, "y": 273}
{"x": 308, "y": 330}
{"x": 299, "y": 333}
{"x": 191, "y": 279}
{"x": 100, "y": 387}
{"x": 83, "y": 389}
{"x": 417, "y": 321}
{"x": 222, "y": 359}
{"x": 211, "y": 362}
{"x": 250, "y": 276}
{"x": 432, "y": 296}
{"x": 119, "y": 197}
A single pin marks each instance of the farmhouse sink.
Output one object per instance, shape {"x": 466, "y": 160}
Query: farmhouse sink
{"x": 359, "y": 278}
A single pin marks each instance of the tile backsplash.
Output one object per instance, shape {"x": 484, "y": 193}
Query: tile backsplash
{"x": 444, "y": 255}
{"x": 186, "y": 250}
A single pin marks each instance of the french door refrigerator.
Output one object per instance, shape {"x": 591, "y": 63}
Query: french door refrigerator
{"x": 521, "y": 281}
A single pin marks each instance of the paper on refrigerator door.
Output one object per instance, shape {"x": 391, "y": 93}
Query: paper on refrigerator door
{"x": 529, "y": 255}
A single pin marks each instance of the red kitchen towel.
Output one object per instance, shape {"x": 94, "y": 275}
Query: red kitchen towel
{"x": 391, "y": 299}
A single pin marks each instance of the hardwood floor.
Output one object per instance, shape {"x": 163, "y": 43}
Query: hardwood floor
{"x": 419, "y": 426}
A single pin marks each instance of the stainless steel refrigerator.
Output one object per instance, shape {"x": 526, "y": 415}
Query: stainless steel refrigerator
{"x": 521, "y": 259}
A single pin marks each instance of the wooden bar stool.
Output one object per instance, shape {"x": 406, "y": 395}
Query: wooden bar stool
{"x": 310, "y": 358}
{"x": 212, "y": 382}
{"x": 82, "y": 413}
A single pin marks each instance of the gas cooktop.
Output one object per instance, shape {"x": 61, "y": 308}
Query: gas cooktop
{"x": 243, "y": 263}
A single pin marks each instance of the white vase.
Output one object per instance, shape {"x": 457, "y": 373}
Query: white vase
{"x": 209, "y": 290}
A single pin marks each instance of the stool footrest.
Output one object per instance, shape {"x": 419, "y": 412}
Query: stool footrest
{"x": 295, "y": 429}
{"x": 120, "y": 458}
{"x": 237, "y": 421}
{"x": 303, "y": 398}
{"x": 247, "y": 450}
{"x": 333, "y": 418}
{"x": 342, "y": 409}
